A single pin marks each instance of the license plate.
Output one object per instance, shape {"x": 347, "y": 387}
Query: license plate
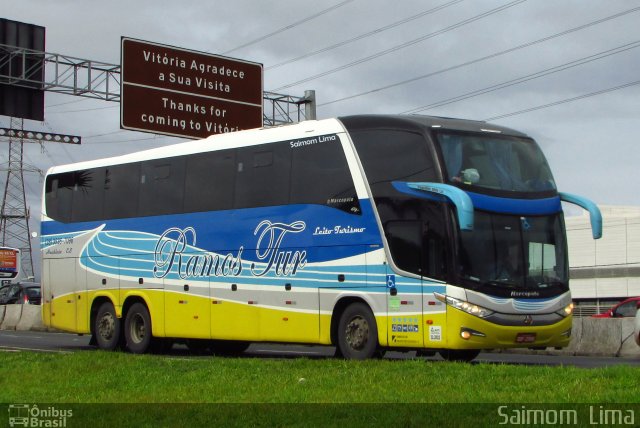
{"x": 526, "y": 338}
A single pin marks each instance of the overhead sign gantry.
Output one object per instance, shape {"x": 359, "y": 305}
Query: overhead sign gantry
{"x": 180, "y": 92}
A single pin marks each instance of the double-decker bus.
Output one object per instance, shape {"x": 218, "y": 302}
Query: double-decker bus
{"x": 363, "y": 232}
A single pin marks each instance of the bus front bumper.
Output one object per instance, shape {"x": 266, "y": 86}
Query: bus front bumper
{"x": 467, "y": 331}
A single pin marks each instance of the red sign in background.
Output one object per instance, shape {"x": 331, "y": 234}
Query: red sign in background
{"x": 8, "y": 259}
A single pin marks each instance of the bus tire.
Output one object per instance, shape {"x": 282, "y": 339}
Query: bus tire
{"x": 107, "y": 328}
{"x": 137, "y": 329}
{"x": 461, "y": 355}
{"x": 357, "y": 333}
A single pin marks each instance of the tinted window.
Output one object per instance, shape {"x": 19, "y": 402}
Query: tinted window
{"x": 161, "y": 187}
{"x": 405, "y": 243}
{"x": 59, "y": 195}
{"x": 266, "y": 175}
{"x": 262, "y": 176}
{"x": 416, "y": 232}
{"x": 416, "y": 229}
{"x": 121, "y": 184}
{"x": 210, "y": 181}
{"x": 320, "y": 175}
{"x": 88, "y": 195}
{"x": 393, "y": 155}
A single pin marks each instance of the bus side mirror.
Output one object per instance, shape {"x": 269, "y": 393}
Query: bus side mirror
{"x": 443, "y": 193}
{"x": 594, "y": 212}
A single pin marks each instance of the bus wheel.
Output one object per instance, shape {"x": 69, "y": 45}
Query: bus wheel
{"x": 137, "y": 329}
{"x": 107, "y": 327}
{"x": 462, "y": 355}
{"x": 357, "y": 333}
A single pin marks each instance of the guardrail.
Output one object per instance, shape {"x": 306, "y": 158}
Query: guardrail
{"x": 603, "y": 337}
{"x": 21, "y": 317}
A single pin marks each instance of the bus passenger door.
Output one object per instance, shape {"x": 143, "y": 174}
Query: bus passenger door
{"x": 404, "y": 295}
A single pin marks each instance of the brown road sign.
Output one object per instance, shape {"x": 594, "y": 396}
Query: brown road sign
{"x": 175, "y": 91}
{"x": 185, "y": 115}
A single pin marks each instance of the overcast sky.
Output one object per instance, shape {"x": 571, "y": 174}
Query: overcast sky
{"x": 591, "y": 142}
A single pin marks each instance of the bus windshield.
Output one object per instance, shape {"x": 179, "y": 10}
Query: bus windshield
{"x": 497, "y": 162}
{"x": 514, "y": 253}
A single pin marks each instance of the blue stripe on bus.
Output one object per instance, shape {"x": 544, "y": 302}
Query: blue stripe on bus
{"x": 132, "y": 254}
{"x": 516, "y": 206}
{"x": 328, "y": 233}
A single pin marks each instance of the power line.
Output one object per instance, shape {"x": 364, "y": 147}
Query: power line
{"x": 63, "y": 146}
{"x": 567, "y": 100}
{"x": 365, "y": 35}
{"x": 484, "y": 58}
{"x": 106, "y": 133}
{"x": 288, "y": 27}
{"x": 83, "y": 110}
{"x": 69, "y": 102}
{"x": 532, "y": 76}
{"x": 127, "y": 141}
{"x": 404, "y": 45}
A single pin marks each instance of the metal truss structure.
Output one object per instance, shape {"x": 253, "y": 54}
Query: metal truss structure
{"x": 14, "y": 214}
{"x": 85, "y": 78}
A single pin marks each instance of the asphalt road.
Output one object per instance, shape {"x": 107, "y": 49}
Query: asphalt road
{"x": 23, "y": 341}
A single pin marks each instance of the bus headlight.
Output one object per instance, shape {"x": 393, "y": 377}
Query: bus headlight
{"x": 465, "y": 306}
{"x": 566, "y": 311}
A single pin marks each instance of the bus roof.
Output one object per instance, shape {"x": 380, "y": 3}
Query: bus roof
{"x": 251, "y": 137}
{"x": 403, "y": 121}
{"x": 299, "y": 130}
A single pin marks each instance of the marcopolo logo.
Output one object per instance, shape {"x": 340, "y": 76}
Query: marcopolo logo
{"x": 31, "y": 415}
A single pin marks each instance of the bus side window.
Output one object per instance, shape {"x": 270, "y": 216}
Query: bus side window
{"x": 121, "y": 186}
{"x": 59, "y": 196}
{"x": 320, "y": 175}
{"x": 162, "y": 186}
{"x": 390, "y": 155}
{"x": 51, "y": 196}
{"x": 405, "y": 243}
{"x": 262, "y": 177}
{"x": 210, "y": 181}
{"x": 88, "y": 195}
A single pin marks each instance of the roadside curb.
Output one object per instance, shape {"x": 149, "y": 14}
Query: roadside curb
{"x": 11, "y": 318}
{"x": 31, "y": 319}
